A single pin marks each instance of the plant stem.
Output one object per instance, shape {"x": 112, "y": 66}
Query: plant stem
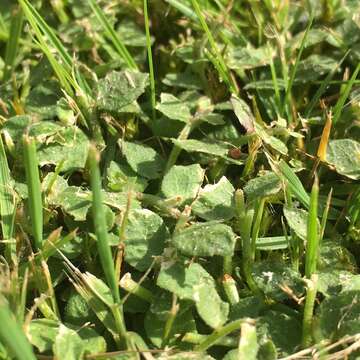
{"x": 230, "y": 289}
{"x": 308, "y": 310}
{"x": 150, "y": 60}
{"x": 312, "y": 245}
{"x": 213, "y": 338}
{"x": 34, "y": 189}
{"x": 13, "y": 42}
{"x": 12, "y": 335}
{"x": 195, "y": 338}
{"x": 256, "y": 225}
{"x": 131, "y": 286}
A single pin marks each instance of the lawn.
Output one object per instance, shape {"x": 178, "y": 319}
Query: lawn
{"x": 179, "y": 179}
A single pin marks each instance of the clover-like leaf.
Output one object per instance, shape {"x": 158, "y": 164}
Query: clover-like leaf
{"x": 119, "y": 89}
{"x": 215, "y": 202}
{"x": 183, "y": 181}
{"x": 205, "y": 239}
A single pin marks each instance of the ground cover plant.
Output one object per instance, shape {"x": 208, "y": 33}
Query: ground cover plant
{"x": 179, "y": 179}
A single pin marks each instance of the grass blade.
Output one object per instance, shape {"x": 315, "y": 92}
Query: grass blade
{"x": 7, "y": 204}
{"x": 12, "y": 335}
{"x": 150, "y": 60}
{"x": 225, "y": 74}
{"x": 294, "y": 183}
{"x": 102, "y": 240}
{"x": 43, "y": 29}
{"x": 324, "y": 84}
{"x": 34, "y": 189}
{"x": 44, "y": 33}
{"x": 100, "y": 223}
{"x": 213, "y": 338}
{"x": 183, "y": 8}
{"x": 13, "y": 43}
{"x": 297, "y": 61}
{"x": 309, "y": 310}
{"x": 113, "y": 36}
{"x": 340, "y": 103}
{"x": 312, "y": 245}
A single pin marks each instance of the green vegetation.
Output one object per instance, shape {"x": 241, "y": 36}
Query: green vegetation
{"x": 179, "y": 179}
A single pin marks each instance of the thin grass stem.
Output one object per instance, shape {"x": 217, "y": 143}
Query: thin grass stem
{"x": 150, "y": 60}
{"x": 34, "y": 190}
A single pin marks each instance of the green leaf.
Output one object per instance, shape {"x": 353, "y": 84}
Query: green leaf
{"x": 232, "y": 355}
{"x": 205, "y": 239}
{"x": 58, "y": 185}
{"x": 344, "y": 154}
{"x": 185, "y": 80}
{"x": 183, "y": 181}
{"x": 283, "y": 328}
{"x": 68, "y": 344}
{"x": 145, "y": 236}
{"x": 270, "y": 275}
{"x": 119, "y": 89}
{"x": 248, "y": 346}
{"x": 334, "y": 256}
{"x": 75, "y": 202}
{"x": 42, "y": 333}
{"x": 241, "y": 58}
{"x": 274, "y": 142}
{"x": 77, "y": 312}
{"x": 339, "y": 315}
{"x": 209, "y": 305}
{"x": 262, "y": 186}
{"x": 158, "y": 314}
{"x": 92, "y": 342}
{"x": 120, "y": 177}
{"x": 55, "y": 143}
{"x": 219, "y": 149}
{"x": 297, "y": 220}
{"x": 196, "y": 284}
{"x": 181, "y": 279}
{"x": 243, "y": 113}
{"x": 215, "y": 202}
{"x": 143, "y": 159}
{"x": 14, "y": 128}
{"x": 313, "y": 67}
{"x": 98, "y": 297}
{"x": 174, "y": 108}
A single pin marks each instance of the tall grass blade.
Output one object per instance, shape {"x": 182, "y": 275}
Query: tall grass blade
{"x": 309, "y": 310}
{"x": 325, "y": 214}
{"x": 42, "y": 29}
{"x": 12, "y": 45}
{"x": 297, "y": 61}
{"x": 12, "y": 335}
{"x": 183, "y": 8}
{"x": 225, "y": 73}
{"x": 341, "y": 102}
{"x": 150, "y": 59}
{"x": 7, "y": 205}
{"x": 100, "y": 223}
{"x": 44, "y": 34}
{"x": 113, "y": 36}
{"x": 312, "y": 245}
{"x": 4, "y": 34}
{"x": 294, "y": 183}
{"x": 324, "y": 84}
{"x": 34, "y": 190}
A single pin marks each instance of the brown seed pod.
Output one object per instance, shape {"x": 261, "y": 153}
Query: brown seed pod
{"x": 234, "y": 153}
